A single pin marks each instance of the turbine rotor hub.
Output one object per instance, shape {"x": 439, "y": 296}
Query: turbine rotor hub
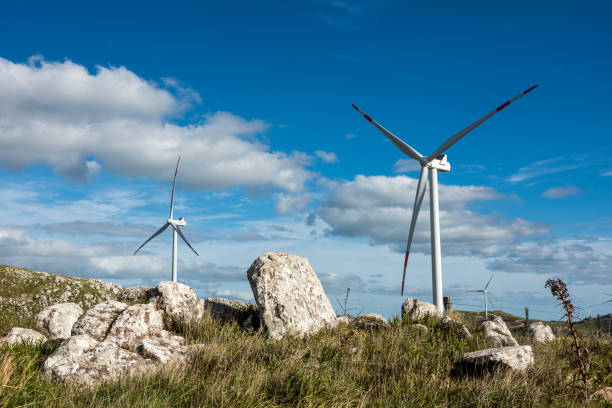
{"x": 440, "y": 163}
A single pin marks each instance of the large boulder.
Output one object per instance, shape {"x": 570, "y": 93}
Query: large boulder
{"x": 224, "y": 310}
{"x": 97, "y": 320}
{"x": 134, "y": 324}
{"x": 289, "y": 296}
{"x": 20, "y": 335}
{"x": 515, "y": 358}
{"x": 56, "y": 321}
{"x": 179, "y": 302}
{"x": 540, "y": 332}
{"x": 369, "y": 321}
{"x": 498, "y": 333}
{"x": 84, "y": 360}
{"x": 417, "y": 310}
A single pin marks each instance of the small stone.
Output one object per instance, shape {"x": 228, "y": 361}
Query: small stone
{"x": 497, "y": 331}
{"x": 370, "y": 321}
{"x": 20, "y": 335}
{"x": 514, "y": 357}
{"x": 56, "y": 321}
{"x": 540, "y": 332}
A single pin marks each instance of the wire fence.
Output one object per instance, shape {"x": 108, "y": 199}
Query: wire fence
{"x": 502, "y": 307}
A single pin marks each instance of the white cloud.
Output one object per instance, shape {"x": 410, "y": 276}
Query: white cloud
{"x": 379, "y": 208}
{"x": 406, "y": 165}
{"x": 546, "y": 167}
{"x": 286, "y": 203}
{"x": 560, "y": 192}
{"x": 607, "y": 173}
{"x": 350, "y": 136}
{"x": 59, "y": 114}
{"x": 327, "y": 157}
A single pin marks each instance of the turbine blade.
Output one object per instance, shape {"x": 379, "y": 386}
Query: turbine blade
{"x": 418, "y": 199}
{"x": 173, "y": 184}
{"x": 487, "y": 285}
{"x": 479, "y": 290}
{"x": 178, "y": 230}
{"x": 159, "y": 231}
{"x": 457, "y": 136}
{"x": 490, "y": 300}
{"x": 403, "y": 146}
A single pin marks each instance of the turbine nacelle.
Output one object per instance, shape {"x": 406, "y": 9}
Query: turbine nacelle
{"x": 440, "y": 163}
{"x": 179, "y": 223}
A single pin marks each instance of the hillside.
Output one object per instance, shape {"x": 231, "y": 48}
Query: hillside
{"x": 24, "y": 293}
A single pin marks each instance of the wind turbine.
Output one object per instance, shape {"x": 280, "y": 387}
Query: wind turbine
{"x": 176, "y": 230}
{"x": 435, "y": 162}
{"x": 486, "y": 296}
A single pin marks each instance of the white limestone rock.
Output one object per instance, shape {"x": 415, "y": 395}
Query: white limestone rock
{"x": 97, "y": 320}
{"x": 514, "y": 357}
{"x": 134, "y": 324}
{"x": 417, "y": 310}
{"x": 20, "y": 335}
{"x": 369, "y": 321}
{"x": 166, "y": 348}
{"x": 179, "y": 302}
{"x": 497, "y": 331}
{"x": 56, "y": 321}
{"x": 540, "y": 332}
{"x": 289, "y": 296}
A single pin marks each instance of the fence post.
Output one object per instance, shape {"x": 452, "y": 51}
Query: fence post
{"x": 526, "y": 316}
{"x": 598, "y": 324}
{"x": 448, "y": 304}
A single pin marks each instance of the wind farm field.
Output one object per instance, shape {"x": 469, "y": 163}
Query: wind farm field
{"x": 342, "y": 367}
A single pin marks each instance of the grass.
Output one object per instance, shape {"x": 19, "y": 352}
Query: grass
{"x": 398, "y": 366}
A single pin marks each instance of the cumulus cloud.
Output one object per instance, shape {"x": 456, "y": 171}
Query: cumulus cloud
{"x": 379, "y": 208}
{"x": 327, "y": 157}
{"x": 546, "y": 167}
{"x": 560, "y": 192}
{"x": 286, "y": 203}
{"x": 60, "y": 114}
{"x": 406, "y": 165}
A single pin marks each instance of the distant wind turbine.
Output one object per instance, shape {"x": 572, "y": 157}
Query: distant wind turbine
{"x": 433, "y": 163}
{"x": 175, "y": 224}
{"x": 486, "y": 296}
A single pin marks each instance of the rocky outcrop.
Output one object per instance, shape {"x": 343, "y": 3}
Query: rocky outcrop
{"x": 454, "y": 328}
{"x": 497, "y": 332}
{"x": 26, "y": 292}
{"x": 56, "y": 321}
{"x": 515, "y": 358}
{"x": 136, "y": 294}
{"x": 136, "y": 323}
{"x": 369, "y": 321}
{"x": 97, "y": 320}
{"x": 417, "y": 310}
{"x": 540, "y": 332}
{"x": 179, "y": 302}
{"x": 20, "y": 335}
{"x": 290, "y": 298}
{"x": 224, "y": 310}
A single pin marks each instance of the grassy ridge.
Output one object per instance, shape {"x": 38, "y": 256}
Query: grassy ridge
{"x": 333, "y": 368}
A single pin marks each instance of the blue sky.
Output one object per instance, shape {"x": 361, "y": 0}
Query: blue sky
{"x": 98, "y": 100}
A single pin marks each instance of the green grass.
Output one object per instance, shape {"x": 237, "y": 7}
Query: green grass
{"x": 398, "y": 366}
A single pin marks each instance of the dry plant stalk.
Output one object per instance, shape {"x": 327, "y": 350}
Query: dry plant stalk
{"x": 558, "y": 288}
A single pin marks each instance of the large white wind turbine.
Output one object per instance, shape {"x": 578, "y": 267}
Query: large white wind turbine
{"x": 433, "y": 163}
{"x": 176, "y": 230}
{"x": 486, "y": 296}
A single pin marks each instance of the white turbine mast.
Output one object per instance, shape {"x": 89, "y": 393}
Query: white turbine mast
{"x": 176, "y": 230}
{"x": 435, "y": 162}
{"x": 486, "y": 296}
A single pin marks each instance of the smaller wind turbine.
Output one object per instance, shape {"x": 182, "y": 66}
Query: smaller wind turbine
{"x": 175, "y": 224}
{"x": 486, "y": 296}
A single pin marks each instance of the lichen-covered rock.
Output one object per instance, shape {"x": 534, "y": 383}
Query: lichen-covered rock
{"x": 498, "y": 333}
{"x": 289, "y": 296}
{"x": 224, "y": 310}
{"x": 369, "y": 321}
{"x": 20, "y": 335}
{"x": 417, "y": 310}
{"x": 453, "y": 327}
{"x": 97, "y": 320}
{"x": 179, "y": 302}
{"x": 514, "y": 357}
{"x": 56, "y": 321}
{"x": 540, "y": 332}
{"x": 136, "y": 294}
{"x": 86, "y": 361}
{"x": 134, "y": 324}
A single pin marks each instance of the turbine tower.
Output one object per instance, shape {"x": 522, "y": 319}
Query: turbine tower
{"x": 486, "y": 296}
{"x": 431, "y": 164}
{"x": 175, "y": 224}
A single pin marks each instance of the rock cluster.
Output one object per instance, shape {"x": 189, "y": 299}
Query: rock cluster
{"x": 290, "y": 299}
